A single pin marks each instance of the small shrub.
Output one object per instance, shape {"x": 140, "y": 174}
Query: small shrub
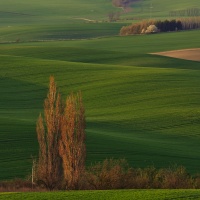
{"x": 110, "y": 174}
{"x": 151, "y": 29}
{"x": 17, "y": 185}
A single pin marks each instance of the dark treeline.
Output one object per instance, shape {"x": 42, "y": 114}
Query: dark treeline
{"x": 169, "y": 25}
{"x": 161, "y": 26}
{"x": 190, "y": 12}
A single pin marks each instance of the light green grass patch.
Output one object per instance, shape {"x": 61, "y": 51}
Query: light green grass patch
{"x": 108, "y": 195}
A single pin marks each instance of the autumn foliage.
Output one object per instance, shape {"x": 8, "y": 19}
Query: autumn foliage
{"x": 71, "y": 144}
{"x": 161, "y": 26}
{"x": 49, "y": 170}
{"x": 61, "y": 137}
{"x": 117, "y": 174}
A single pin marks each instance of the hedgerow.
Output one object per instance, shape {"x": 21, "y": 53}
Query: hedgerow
{"x": 161, "y": 26}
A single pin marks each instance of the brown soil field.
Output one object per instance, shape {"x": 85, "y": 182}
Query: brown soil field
{"x": 187, "y": 54}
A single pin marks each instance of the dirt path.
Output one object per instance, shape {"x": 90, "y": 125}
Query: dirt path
{"x": 186, "y": 54}
{"x": 85, "y": 19}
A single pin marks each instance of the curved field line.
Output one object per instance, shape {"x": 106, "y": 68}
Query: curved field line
{"x": 16, "y": 13}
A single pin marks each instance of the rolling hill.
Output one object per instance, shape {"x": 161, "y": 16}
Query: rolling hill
{"x": 27, "y": 20}
{"x": 139, "y": 106}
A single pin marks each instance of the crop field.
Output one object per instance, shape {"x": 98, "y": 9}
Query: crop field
{"x": 60, "y": 11}
{"x": 107, "y": 195}
{"x": 27, "y": 20}
{"x": 23, "y": 20}
{"x": 142, "y": 107}
{"x": 139, "y": 105}
{"x": 70, "y": 31}
{"x": 66, "y": 10}
{"x": 157, "y": 9}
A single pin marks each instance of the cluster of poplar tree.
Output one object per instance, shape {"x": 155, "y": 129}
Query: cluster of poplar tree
{"x": 61, "y": 136}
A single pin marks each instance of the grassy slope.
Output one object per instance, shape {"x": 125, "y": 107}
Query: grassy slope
{"x": 60, "y": 10}
{"x": 49, "y": 20}
{"x": 24, "y": 83}
{"x": 160, "y": 9}
{"x": 149, "y": 115}
{"x": 58, "y": 32}
{"x": 93, "y": 9}
{"x": 43, "y": 20}
{"x": 106, "y": 195}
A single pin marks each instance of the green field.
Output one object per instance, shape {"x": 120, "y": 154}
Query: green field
{"x": 158, "y": 9}
{"x": 108, "y": 195}
{"x": 141, "y": 107}
{"x": 27, "y": 20}
{"x": 62, "y": 11}
{"x": 23, "y": 20}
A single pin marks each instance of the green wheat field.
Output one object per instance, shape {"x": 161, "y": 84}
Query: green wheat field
{"x": 141, "y": 107}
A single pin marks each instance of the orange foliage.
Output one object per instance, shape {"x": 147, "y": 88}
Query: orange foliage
{"x": 49, "y": 172}
{"x": 61, "y": 140}
{"x": 72, "y": 147}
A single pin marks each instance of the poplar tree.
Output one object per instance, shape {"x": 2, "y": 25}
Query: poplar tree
{"x": 72, "y": 143}
{"x": 49, "y": 166}
{"x": 61, "y": 138}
